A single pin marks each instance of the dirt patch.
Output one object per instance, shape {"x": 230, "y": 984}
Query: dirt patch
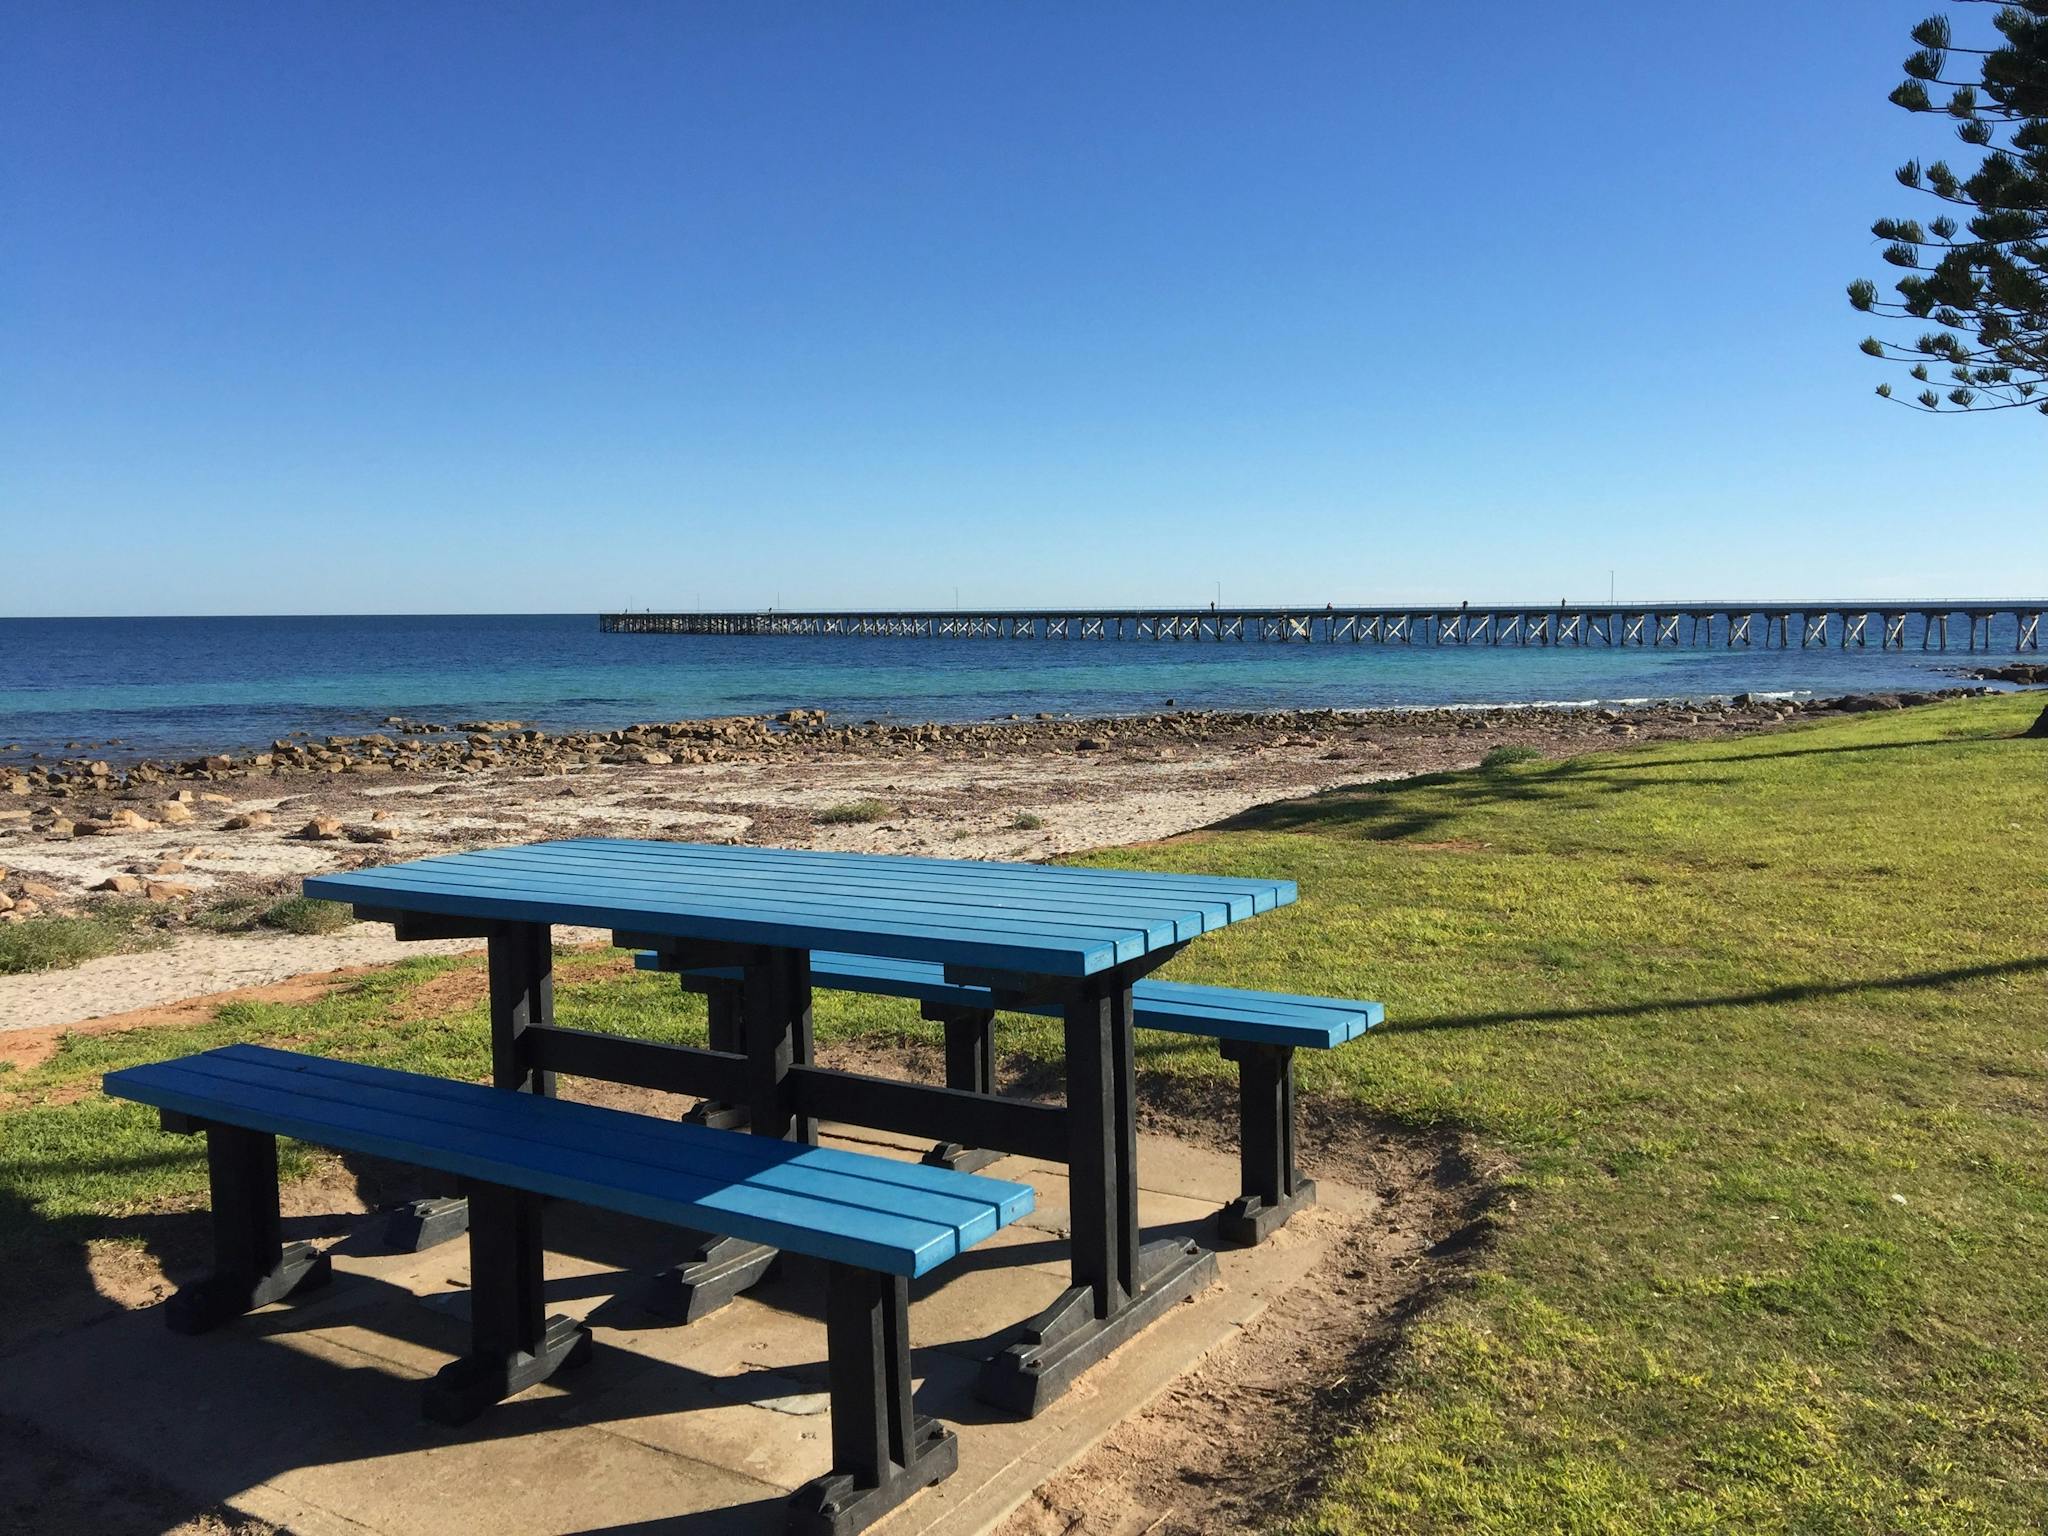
{"x": 454, "y": 991}
{"x": 26, "y": 1048}
{"x": 128, "y": 1276}
{"x": 1246, "y": 1437}
{"x": 637, "y": 1101}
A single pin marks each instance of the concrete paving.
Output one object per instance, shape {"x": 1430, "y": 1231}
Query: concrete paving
{"x": 307, "y": 1414}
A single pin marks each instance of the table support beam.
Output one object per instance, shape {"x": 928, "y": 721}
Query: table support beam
{"x": 642, "y": 1063}
{"x": 944, "y": 1114}
{"x": 775, "y": 1023}
{"x": 726, "y": 1032}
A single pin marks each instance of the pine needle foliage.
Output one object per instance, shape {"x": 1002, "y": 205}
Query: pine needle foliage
{"x": 1977, "y": 279}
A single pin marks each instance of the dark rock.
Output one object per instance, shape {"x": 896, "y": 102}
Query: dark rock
{"x": 2028, "y": 674}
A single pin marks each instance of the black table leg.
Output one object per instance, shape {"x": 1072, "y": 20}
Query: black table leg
{"x": 726, "y": 1032}
{"x": 521, "y": 962}
{"x": 522, "y": 966}
{"x": 970, "y": 1066}
{"x": 515, "y": 1344}
{"x": 1119, "y": 1287}
{"x": 252, "y": 1264}
{"x": 1272, "y": 1189}
{"x": 774, "y": 1027}
{"x": 882, "y": 1451}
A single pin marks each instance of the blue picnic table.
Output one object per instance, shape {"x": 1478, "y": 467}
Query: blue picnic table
{"x": 1040, "y": 937}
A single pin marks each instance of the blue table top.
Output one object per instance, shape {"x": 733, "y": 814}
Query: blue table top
{"x": 1038, "y": 919}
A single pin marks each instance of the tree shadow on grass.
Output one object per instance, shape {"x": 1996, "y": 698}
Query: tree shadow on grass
{"x": 1405, "y": 809}
{"x": 1794, "y": 992}
{"x": 1402, "y": 810}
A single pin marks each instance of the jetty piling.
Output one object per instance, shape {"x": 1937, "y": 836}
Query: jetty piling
{"x": 1819, "y": 623}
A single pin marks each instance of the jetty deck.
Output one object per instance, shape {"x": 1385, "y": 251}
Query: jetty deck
{"x": 2012, "y": 624}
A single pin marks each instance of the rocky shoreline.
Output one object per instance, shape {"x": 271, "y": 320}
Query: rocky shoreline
{"x": 427, "y": 748}
{"x": 2021, "y": 674}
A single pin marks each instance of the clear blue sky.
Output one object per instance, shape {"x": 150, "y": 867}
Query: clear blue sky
{"x": 402, "y": 306}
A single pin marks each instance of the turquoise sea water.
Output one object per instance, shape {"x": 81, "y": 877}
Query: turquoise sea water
{"x": 181, "y": 686}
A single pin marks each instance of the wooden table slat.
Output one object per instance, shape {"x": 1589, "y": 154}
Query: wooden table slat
{"x": 1018, "y": 918}
{"x": 1233, "y": 888}
{"x": 766, "y": 889}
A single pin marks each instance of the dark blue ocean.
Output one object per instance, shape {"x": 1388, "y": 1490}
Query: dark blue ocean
{"x": 182, "y": 686}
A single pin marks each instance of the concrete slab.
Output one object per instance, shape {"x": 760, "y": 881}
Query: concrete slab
{"x": 308, "y": 1414}
{"x": 1182, "y": 1168}
{"x": 1159, "y": 1215}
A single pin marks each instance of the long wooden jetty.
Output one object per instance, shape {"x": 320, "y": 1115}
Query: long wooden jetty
{"x": 1887, "y": 625}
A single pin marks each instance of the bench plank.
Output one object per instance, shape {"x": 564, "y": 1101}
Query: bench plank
{"x": 1228, "y": 1013}
{"x": 841, "y": 1177}
{"x": 851, "y": 1208}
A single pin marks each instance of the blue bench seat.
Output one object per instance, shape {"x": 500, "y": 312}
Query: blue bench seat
{"x": 1260, "y": 1031}
{"x": 1188, "y": 1008}
{"x": 875, "y": 1221}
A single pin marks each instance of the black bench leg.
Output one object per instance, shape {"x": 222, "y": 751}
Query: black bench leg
{"x": 882, "y": 1450}
{"x": 426, "y": 1223}
{"x": 514, "y": 1343}
{"x": 971, "y": 1066}
{"x": 717, "y": 1270}
{"x": 1272, "y": 1189}
{"x": 253, "y": 1265}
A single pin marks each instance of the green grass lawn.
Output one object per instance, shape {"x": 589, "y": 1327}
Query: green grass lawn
{"x": 1754, "y": 1031}
{"x": 1759, "y": 1028}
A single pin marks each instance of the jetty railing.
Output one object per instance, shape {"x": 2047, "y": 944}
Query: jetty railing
{"x": 1887, "y": 624}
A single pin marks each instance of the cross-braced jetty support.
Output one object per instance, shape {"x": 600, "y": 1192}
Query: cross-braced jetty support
{"x": 2010, "y": 624}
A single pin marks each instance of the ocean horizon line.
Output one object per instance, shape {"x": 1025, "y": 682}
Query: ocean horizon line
{"x": 1203, "y": 604}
